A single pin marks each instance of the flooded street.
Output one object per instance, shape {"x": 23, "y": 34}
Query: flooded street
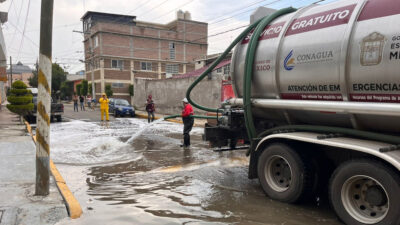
{"x": 151, "y": 180}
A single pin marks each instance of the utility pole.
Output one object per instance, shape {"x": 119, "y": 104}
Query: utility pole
{"x": 10, "y": 72}
{"x": 44, "y": 97}
{"x": 91, "y": 62}
{"x": 92, "y": 66}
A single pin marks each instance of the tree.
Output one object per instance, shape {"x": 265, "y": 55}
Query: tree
{"x": 90, "y": 89}
{"x": 20, "y": 99}
{"x": 57, "y": 77}
{"x": 67, "y": 89}
{"x": 84, "y": 88}
{"x": 109, "y": 91}
{"x": 33, "y": 81}
{"x": 78, "y": 89}
{"x": 131, "y": 89}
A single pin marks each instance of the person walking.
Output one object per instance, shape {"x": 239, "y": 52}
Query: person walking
{"x": 104, "y": 106}
{"x": 89, "y": 101}
{"x": 75, "y": 99}
{"x": 82, "y": 101}
{"x": 150, "y": 108}
{"x": 188, "y": 122}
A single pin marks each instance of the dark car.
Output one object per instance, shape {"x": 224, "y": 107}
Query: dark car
{"x": 57, "y": 109}
{"x": 121, "y": 107}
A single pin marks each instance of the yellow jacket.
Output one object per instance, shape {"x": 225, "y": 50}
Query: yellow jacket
{"x": 104, "y": 103}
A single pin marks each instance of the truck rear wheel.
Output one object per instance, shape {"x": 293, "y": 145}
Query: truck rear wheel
{"x": 365, "y": 192}
{"x": 283, "y": 174}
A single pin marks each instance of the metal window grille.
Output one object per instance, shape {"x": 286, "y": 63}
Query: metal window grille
{"x": 172, "y": 68}
{"x": 117, "y": 85}
{"x": 146, "y": 66}
{"x": 119, "y": 64}
{"x": 172, "y": 50}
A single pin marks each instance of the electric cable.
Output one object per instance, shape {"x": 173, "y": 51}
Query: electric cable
{"x": 23, "y": 32}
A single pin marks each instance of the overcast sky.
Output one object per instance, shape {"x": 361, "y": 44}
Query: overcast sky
{"x": 21, "y": 32}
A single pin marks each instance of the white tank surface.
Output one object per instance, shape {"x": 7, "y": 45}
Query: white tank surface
{"x": 345, "y": 51}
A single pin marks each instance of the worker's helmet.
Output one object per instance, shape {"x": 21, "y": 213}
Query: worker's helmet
{"x": 185, "y": 100}
{"x": 103, "y": 94}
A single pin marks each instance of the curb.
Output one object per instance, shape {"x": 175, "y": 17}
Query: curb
{"x": 73, "y": 207}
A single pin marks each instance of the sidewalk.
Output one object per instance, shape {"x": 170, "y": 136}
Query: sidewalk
{"x": 18, "y": 204}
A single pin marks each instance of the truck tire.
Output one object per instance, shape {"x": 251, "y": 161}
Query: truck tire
{"x": 365, "y": 192}
{"x": 283, "y": 175}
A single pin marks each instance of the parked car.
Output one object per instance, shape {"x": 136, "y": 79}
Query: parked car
{"x": 121, "y": 107}
{"x": 57, "y": 109}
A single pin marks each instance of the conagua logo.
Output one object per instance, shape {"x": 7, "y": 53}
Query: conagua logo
{"x": 289, "y": 61}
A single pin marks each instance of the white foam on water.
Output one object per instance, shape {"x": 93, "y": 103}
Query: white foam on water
{"x": 223, "y": 162}
{"x": 143, "y": 129}
{"x": 87, "y": 143}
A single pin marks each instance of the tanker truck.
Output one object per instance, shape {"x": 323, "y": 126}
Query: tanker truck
{"x": 318, "y": 101}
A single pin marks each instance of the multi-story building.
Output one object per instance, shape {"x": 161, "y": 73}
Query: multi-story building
{"x": 118, "y": 48}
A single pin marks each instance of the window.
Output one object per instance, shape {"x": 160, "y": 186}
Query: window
{"x": 96, "y": 41}
{"x": 172, "y": 68}
{"x": 119, "y": 64}
{"x": 227, "y": 69}
{"x": 219, "y": 70}
{"x": 172, "y": 50}
{"x": 117, "y": 85}
{"x": 145, "y": 66}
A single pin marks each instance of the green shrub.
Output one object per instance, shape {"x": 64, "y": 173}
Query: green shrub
{"x": 109, "y": 91}
{"x": 84, "y": 88}
{"x": 20, "y": 99}
{"x": 131, "y": 90}
{"x": 20, "y": 109}
{"x": 19, "y": 91}
{"x": 18, "y": 85}
{"x": 78, "y": 89}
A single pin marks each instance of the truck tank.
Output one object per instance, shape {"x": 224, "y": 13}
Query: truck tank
{"x": 345, "y": 51}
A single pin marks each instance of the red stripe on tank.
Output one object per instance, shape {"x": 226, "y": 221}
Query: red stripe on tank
{"x": 330, "y": 18}
{"x": 270, "y": 31}
{"x": 379, "y": 8}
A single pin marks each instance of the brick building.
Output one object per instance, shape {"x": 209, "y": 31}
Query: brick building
{"x": 118, "y": 49}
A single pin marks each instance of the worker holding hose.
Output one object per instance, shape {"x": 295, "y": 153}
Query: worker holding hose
{"x": 104, "y": 106}
{"x": 188, "y": 122}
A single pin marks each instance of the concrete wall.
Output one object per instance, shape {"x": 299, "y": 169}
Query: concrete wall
{"x": 168, "y": 93}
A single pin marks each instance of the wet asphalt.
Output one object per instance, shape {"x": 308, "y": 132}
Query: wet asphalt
{"x": 151, "y": 180}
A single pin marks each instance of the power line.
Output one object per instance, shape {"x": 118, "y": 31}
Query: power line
{"x": 243, "y": 12}
{"x": 19, "y": 15}
{"x": 158, "y": 17}
{"x": 155, "y": 7}
{"x": 238, "y": 9}
{"x": 23, "y": 32}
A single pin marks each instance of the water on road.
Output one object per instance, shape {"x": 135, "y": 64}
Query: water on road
{"x": 151, "y": 180}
